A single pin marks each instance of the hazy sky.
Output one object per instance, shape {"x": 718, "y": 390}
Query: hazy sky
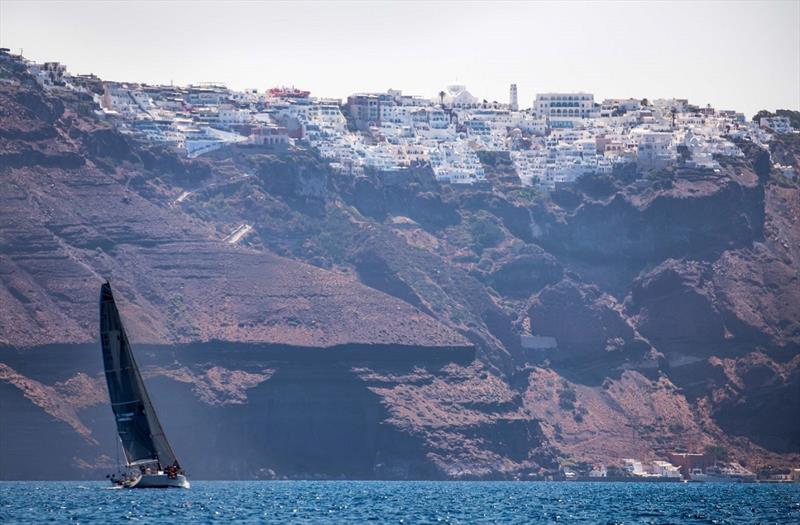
{"x": 740, "y": 55}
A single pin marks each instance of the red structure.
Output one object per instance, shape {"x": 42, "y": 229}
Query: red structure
{"x": 687, "y": 461}
{"x": 286, "y": 92}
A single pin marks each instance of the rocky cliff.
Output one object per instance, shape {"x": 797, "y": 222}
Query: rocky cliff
{"x": 295, "y": 322}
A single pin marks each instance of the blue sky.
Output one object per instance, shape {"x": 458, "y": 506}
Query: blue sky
{"x": 740, "y": 55}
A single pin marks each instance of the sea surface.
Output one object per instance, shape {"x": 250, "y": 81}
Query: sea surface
{"x": 400, "y": 502}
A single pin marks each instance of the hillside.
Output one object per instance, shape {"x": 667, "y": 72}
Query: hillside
{"x": 296, "y": 322}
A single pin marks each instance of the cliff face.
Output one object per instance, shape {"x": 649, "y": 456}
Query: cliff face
{"x": 66, "y": 227}
{"x": 260, "y": 365}
{"x": 263, "y": 417}
{"x": 293, "y": 322}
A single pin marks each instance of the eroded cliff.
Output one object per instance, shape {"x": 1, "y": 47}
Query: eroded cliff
{"x": 296, "y": 322}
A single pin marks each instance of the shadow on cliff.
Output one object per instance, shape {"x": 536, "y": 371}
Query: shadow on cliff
{"x": 302, "y": 423}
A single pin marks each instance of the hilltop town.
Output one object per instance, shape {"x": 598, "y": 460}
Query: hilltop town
{"x": 561, "y": 137}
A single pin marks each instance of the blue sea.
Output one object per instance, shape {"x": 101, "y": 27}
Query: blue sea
{"x": 400, "y": 502}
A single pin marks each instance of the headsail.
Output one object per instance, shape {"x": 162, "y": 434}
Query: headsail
{"x": 142, "y": 437}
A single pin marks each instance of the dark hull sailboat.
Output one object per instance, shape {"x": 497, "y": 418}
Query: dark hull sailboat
{"x": 150, "y": 461}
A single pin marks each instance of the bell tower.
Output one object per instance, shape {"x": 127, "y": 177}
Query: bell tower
{"x": 513, "y": 104}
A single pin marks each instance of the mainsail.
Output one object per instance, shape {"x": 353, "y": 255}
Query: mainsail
{"x": 142, "y": 437}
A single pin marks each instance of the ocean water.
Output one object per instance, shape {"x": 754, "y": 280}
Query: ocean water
{"x": 400, "y": 502}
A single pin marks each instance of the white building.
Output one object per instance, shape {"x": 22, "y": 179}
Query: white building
{"x": 126, "y": 99}
{"x": 49, "y": 73}
{"x": 530, "y": 124}
{"x": 654, "y": 149}
{"x": 620, "y": 105}
{"x": 633, "y": 467}
{"x": 230, "y": 115}
{"x": 598, "y": 472}
{"x": 399, "y": 115}
{"x": 558, "y": 105}
{"x": 665, "y": 469}
{"x": 656, "y": 469}
{"x": 457, "y": 96}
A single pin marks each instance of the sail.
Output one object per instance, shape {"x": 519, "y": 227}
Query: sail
{"x": 142, "y": 437}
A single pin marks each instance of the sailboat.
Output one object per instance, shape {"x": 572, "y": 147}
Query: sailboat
{"x": 150, "y": 461}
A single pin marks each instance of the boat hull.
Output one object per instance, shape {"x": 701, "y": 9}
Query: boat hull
{"x": 159, "y": 481}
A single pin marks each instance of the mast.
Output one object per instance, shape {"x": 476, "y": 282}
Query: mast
{"x": 140, "y": 431}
